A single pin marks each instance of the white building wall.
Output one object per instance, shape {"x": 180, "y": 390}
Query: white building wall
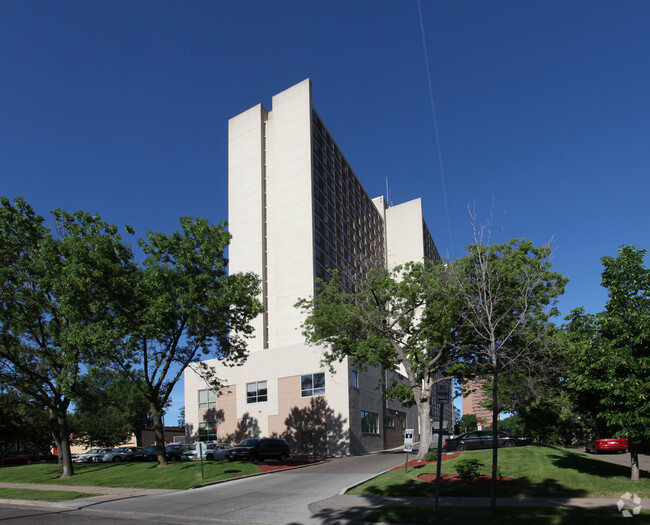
{"x": 245, "y": 218}
{"x": 272, "y": 366}
{"x": 404, "y": 233}
{"x": 289, "y": 217}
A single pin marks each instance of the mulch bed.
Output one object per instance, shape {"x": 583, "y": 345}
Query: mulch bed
{"x": 414, "y": 463}
{"x": 454, "y": 479}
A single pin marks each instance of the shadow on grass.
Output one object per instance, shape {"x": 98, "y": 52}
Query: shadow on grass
{"x": 83, "y": 469}
{"x": 592, "y": 466}
{"x": 523, "y": 487}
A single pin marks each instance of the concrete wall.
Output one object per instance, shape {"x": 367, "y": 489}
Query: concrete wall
{"x": 404, "y": 233}
{"x": 246, "y": 161}
{"x": 289, "y": 216}
{"x": 286, "y": 413}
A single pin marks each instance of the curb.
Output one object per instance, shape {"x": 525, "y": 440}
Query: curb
{"x": 219, "y": 482}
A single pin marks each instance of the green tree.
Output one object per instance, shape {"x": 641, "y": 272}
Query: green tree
{"x": 611, "y": 353}
{"x": 24, "y": 425}
{"x": 181, "y": 417}
{"x": 539, "y": 399}
{"x": 469, "y": 422}
{"x": 55, "y": 297}
{"x": 403, "y": 318}
{"x": 108, "y": 409}
{"x": 183, "y": 308}
{"x": 509, "y": 293}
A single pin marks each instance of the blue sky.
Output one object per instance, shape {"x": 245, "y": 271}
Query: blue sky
{"x": 121, "y": 108}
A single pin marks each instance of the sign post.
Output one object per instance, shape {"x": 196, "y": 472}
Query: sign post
{"x": 200, "y": 450}
{"x": 443, "y": 395}
{"x": 408, "y": 446}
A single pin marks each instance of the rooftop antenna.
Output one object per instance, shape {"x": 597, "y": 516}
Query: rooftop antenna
{"x": 388, "y": 200}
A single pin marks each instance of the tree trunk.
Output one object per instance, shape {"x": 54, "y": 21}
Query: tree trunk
{"x": 495, "y": 441}
{"x": 61, "y": 435}
{"x": 634, "y": 461}
{"x": 424, "y": 413}
{"x": 159, "y": 432}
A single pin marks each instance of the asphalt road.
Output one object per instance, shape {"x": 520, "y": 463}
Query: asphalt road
{"x": 279, "y": 498}
{"x": 620, "y": 459}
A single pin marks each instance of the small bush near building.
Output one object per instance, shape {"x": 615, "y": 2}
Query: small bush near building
{"x": 469, "y": 468}
{"x": 431, "y": 456}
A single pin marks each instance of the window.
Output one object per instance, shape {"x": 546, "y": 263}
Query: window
{"x": 369, "y": 422}
{"x": 355, "y": 379}
{"x": 312, "y": 385}
{"x": 389, "y": 421}
{"x": 207, "y": 399}
{"x": 256, "y": 392}
{"x": 207, "y": 431}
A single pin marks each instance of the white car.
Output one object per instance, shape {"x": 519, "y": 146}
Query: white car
{"x": 91, "y": 455}
{"x": 213, "y": 451}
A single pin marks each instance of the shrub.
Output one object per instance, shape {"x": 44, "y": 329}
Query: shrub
{"x": 469, "y": 468}
{"x": 431, "y": 456}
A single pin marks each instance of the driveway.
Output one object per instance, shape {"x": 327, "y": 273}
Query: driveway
{"x": 619, "y": 459}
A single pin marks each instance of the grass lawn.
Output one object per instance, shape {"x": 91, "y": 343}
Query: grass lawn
{"x": 177, "y": 475}
{"x": 540, "y": 471}
{"x": 510, "y": 515}
{"x": 43, "y": 495}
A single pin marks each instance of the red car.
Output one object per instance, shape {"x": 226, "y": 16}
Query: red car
{"x": 19, "y": 458}
{"x": 599, "y": 445}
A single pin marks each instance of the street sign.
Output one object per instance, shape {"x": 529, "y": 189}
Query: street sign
{"x": 408, "y": 440}
{"x": 200, "y": 450}
{"x": 443, "y": 394}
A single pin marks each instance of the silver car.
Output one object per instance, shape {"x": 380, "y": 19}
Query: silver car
{"x": 91, "y": 455}
{"x": 121, "y": 454}
{"x": 213, "y": 451}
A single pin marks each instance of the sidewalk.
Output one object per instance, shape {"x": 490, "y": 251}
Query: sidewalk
{"x": 102, "y": 494}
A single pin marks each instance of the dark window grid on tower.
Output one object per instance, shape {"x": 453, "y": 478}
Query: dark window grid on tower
{"x": 345, "y": 190}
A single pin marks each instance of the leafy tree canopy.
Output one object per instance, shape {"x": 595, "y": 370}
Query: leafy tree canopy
{"x": 182, "y": 308}
{"x": 108, "y": 410}
{"x": 56, "y": 292}
{"x": 402, "y": 320}
{"x": 24, "y": 425}
{"x": 611, "y": 353}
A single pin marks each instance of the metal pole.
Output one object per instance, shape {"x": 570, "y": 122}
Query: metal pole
{"x": 439, "y": 460}
{"x": 406, "y": 465}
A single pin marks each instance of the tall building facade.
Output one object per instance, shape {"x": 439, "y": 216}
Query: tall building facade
{"x": 296, "y": 209}
{"x": 474, "y": 399}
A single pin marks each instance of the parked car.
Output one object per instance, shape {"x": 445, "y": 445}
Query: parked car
{"x": 598, "y": 445}
{"x": 484, "y": 439}
{"x": 121, "y": 454}
{"x": 146, "y": 454}
{"x": 46, "y": 455}
{"x": 212, "y": 452}
{"x": 259, "y": 450}
{"x": 19, "y": 458}
{"x": 175, "y": 451}
{"x": 93, "y": 455}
